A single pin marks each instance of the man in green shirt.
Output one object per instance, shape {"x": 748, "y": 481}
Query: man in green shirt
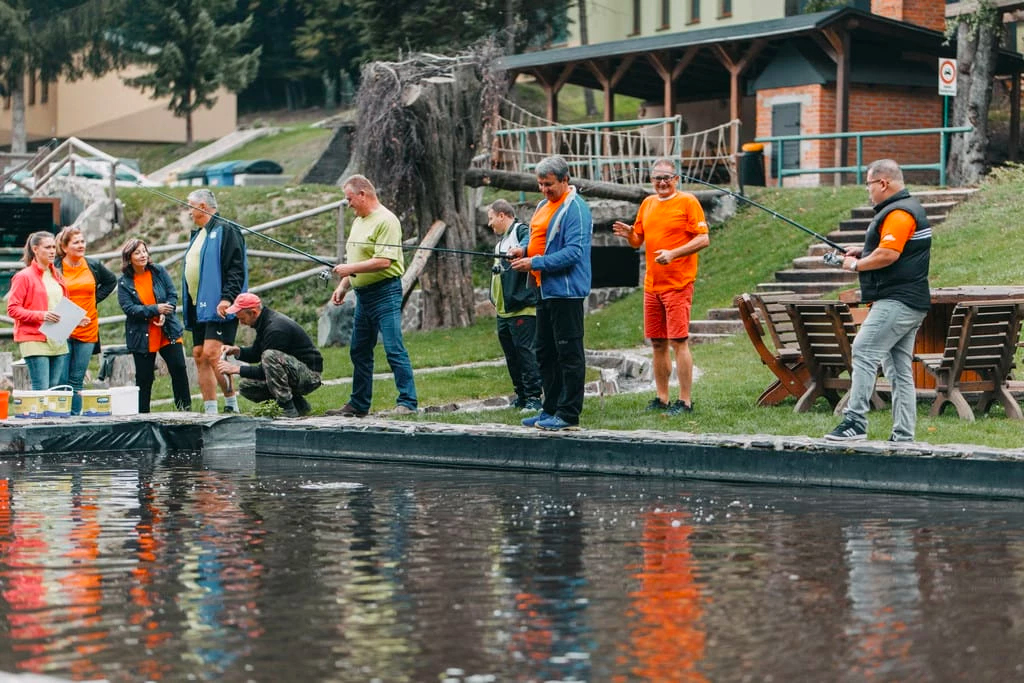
{"x": 373, "y": 270}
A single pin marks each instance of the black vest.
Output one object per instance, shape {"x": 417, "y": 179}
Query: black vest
{"x": 906, "y": 279}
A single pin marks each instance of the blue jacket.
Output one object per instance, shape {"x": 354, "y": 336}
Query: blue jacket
{"x": 223, "y": 271}
{"x": 136, "y": 326}
{"x": 565, "y": 264}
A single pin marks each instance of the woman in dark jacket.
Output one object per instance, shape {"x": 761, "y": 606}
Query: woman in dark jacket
{"x": 88, "y": 282}
{"x": 148, "y": 297}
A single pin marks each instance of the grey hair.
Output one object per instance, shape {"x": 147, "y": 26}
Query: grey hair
{"x": 888, "y": 169}
{"x": 665, "y": 161}
{"x": 203, "y": 197}
{"x": 503, "y": 206}
{"x": 556, "y": 166}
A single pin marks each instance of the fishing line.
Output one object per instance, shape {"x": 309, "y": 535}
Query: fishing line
{"x": 775, "y": 214}
{"x": 311, "y": 257}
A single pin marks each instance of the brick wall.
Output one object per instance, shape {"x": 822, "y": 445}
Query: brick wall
{"x": 928, "y": 13}
{"x": 871, "y": 108}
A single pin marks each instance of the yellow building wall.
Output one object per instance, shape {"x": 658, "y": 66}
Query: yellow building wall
{"x": 106, "y": 109}
{"x": 611, "y": 20}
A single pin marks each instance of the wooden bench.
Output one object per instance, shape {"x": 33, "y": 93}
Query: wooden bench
{"x": 982, "y": 340}
{"x": 825, "y": 332}
{"x": 761, "y": 311}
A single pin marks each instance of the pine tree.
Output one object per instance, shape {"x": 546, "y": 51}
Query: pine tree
{"x": 191, "y": 50}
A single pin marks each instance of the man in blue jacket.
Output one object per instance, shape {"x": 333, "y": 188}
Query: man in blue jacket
{"x": 216, "y": 271}
{"x": 558, "y": 257}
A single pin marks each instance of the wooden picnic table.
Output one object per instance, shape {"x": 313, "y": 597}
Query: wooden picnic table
{"x": 931, "y": 338}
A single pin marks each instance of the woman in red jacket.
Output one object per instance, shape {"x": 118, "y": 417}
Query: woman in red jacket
{"x": 36, "y": 290}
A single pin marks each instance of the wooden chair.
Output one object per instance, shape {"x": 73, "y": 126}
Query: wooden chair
{"x": 825, "y": 332}
{"x": 982, "y": 340}
{"x": 758, "y": 312}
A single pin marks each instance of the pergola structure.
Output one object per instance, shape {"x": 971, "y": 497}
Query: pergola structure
{"x": 720, "y": 62}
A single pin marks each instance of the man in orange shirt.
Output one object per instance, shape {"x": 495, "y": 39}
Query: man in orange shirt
{"x": 893, "y": 269}
{"x": 673, "y": 226}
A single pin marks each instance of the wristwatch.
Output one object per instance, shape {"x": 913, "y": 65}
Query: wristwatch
{"x": 853, "y": 265}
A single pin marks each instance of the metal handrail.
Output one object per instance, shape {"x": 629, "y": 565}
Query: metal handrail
{"x": 859, "y": 168}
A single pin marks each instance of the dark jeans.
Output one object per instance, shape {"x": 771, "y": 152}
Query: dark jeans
{"x": 560, "y": 354}
{"x": 379, "y": 312}
{"x": 145, "y": 366}
{"x": 516, "y": 335}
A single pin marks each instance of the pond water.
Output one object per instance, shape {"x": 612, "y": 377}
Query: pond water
{"x": 131, "y": 568}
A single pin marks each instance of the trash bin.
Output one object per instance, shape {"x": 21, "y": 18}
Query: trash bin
{"x": 193, "y": 176}
{"x": 752, "y": 165}
{"x": 222, "y": 173}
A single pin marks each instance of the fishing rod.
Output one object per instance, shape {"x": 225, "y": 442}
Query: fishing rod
{"x": 316, "y": 259}
{"x": 311, "y": 257}
{"x": 831, "y": 259}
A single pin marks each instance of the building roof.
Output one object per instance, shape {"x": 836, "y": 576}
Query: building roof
{"x": 706, "y": 77}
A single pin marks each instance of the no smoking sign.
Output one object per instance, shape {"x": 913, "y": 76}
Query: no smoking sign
{"x": 947, "y": 76}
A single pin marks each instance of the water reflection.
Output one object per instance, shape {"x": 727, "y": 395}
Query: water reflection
{"x": 134, "y": 568}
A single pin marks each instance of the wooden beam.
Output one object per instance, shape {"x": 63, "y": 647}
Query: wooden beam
{"x": 839, "y": 41}
{"x": 1014, "y": 116}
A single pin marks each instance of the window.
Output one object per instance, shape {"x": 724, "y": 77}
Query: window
{"x": 636, "y": 18}
{"x": 725, "y": 8}
{"x": 694, "y": 12}
{"x": 666, "y": 18}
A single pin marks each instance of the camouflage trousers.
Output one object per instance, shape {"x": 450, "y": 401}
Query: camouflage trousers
{"x": 285, "y": 377}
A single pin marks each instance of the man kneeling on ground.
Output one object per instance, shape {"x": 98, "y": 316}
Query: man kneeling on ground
{"x": 285, "y": 363}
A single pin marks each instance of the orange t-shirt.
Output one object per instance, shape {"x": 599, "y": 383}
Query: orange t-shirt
{"x": 144, "y": 286}
{"x": 539, "y": 231}
{"x": 82, "y": 290}
{"x": 668, "y": 224}
{"x": 896, "y": 230}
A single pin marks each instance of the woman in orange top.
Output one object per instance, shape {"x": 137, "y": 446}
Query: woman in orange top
{"x": 89, "y": 282}
{"x": 148, "y": 298}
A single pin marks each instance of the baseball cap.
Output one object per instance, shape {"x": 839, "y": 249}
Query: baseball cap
{"x": 244, "y": 300}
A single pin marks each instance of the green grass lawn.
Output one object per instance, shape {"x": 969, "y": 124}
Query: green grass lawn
{"x": 976, "y": 245}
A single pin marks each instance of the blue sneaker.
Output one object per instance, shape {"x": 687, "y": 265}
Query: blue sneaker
{"x": 532, "y": 421}
{"x": 555, "y": 424}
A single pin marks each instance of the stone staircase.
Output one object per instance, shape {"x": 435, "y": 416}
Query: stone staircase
{"x": 810, "y": 276}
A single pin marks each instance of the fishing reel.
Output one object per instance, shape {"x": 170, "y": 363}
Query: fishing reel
{"x": 325, "y": 274}
{"x": 496, "y": 269}
{"x": 833, "y": 258}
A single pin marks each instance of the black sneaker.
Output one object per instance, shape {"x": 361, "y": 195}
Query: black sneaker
{"x": 657, "y": 404}
{"x": 533, "y": 404}
{"x": 288, "y": 408}
{"x": 301, "y": 404}
{"x": 898, "y": 439}
{"x": 679, "y": 407}
{"x": 847, "y": 431}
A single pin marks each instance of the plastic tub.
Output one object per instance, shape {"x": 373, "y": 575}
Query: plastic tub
{"x": 96, "y": 402}
{"x": 124, "y": 400}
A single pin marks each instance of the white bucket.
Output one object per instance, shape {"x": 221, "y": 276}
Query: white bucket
{"x": 124, "y": 400}
{"x": 95, "y": 402}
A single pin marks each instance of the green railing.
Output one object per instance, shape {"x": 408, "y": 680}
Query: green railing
{"x": 593, "y": 161}
{"x": 858, "y": 168}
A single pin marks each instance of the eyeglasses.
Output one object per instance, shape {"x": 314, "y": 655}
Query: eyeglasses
{"x": 662, "y": 178}
{"x": 876, "y": 180}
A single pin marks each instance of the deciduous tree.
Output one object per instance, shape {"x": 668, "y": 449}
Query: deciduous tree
{"x": 977, "y": 43}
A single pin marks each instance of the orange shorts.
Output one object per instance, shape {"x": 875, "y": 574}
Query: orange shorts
{"x": 667, "y": 314}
